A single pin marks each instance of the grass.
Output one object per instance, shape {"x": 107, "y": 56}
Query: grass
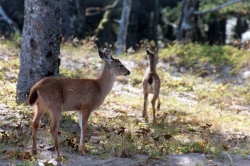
{"x": 194, "y": 55}
{"x": 198, "y": 114}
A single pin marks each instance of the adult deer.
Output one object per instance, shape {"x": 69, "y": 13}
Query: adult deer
{"x": 54, "y": 94}
{"x": 151, "y": 84}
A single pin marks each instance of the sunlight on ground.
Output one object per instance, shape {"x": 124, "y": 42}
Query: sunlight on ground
{"x": 196, "y": 115}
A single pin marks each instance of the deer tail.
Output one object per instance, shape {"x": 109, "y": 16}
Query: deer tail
{"x": 33, "y": 96}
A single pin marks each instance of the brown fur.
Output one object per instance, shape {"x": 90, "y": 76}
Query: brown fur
{"x": 151, "y": 85}
{"x": 54, "y": 94}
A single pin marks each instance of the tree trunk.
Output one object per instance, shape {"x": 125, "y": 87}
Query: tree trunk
{"x": 80, "y": 8}
{"x": 156, "y": 20}
{"x": 66, "y": 25}
{"x": 189, "y": 16}
{"x": 40, "y": 45}
{"x": 73, "y": 18}
{"x": 188, "y": 23}
{"x": 121, "y": 41}
{"x": 217, "y": 32}
{"x": 241, "y": 27}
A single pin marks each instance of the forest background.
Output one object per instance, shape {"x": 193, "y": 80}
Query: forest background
{"x": 149, "y": 20}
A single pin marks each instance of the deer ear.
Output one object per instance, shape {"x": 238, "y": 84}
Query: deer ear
{"x": 105, "y": 55}
{"x": 156, "y": 52}
{"x": 101, "y": 54}
{"x": 148, "y": 52}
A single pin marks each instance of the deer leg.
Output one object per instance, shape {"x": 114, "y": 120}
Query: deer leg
{"x": 153, "y": 105}
{"x": 145, "y": 107}
{"x": 38, "y": 114}
{"x": 55, "y": 118}
{"x": 83, "y": 123}
{"x": 159, "y": 103}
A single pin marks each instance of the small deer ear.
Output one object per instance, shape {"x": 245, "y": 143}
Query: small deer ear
{"x": 148, "y": 52}
{"x": 101, "y": 54}
{"x": 105, "y": 55}
{"x": 156, "y": 52}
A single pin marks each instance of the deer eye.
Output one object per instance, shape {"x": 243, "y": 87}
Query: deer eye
{"x": 120, "y": 66}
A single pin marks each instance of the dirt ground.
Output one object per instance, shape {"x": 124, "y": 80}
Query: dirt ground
{"x": 47, "y": 157}
{"x": 194, "y": 159}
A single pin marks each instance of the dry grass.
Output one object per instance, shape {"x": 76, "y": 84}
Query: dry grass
{"x": 199, "y": 113}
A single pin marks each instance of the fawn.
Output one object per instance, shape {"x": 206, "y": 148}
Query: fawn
{"x": 151, "y": 84}
{"x": 54, "y": 94}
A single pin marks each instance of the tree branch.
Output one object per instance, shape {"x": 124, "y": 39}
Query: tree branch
{"x": 217, "y": 7}
{"x": 3, "y": 16}
{"x": 91, "y": 11}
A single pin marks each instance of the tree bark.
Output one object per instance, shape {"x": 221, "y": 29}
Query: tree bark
{"x": 121, "y": 39}
{"x": 188, "y": 23}
{"x": 40, "y": 45}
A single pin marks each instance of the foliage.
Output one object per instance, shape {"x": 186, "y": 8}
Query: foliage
{"x": 197, "y": 115}
{"x": 231, "y": 10}
{"x": 193, "y": 56}
{"x": 171, "y": 16}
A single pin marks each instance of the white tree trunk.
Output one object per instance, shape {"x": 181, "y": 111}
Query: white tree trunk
{"x": 121, "y": 40}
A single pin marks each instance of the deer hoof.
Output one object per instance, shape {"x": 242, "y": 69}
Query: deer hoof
{"x": 59, "y": 158}
{"x": 81, "y": 149}
{"x": 34, "y": 151}
{"x": 83, "y": 153}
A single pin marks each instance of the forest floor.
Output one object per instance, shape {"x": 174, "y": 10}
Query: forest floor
{"x": 177, "y": 105}
{"x": 46, "y": 156}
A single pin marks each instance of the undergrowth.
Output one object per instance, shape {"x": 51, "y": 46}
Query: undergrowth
{"x": 195, "y": 55}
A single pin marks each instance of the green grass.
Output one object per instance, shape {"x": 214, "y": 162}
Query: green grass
{"x": 195, "y": 55}
{"x": 197, "y": 114}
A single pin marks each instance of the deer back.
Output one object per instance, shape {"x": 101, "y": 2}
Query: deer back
{"x": 74, "y": 94}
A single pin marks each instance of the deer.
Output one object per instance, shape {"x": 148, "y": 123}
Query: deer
{"x": 56, "y": 94}
{"x": 151, "y": 84}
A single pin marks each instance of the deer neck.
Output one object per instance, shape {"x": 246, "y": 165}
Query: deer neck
{"x": 152, "y": 66}
{"x": 106, "y": 80}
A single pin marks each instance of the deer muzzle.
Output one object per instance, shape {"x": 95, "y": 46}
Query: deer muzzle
{"x": 127, "y": 73}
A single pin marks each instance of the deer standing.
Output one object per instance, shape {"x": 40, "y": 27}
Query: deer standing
{"x": 54, "y": 94}
{"x": 151, "y": 84}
